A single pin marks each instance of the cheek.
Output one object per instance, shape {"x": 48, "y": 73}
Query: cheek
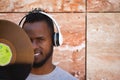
{"x": 47, "y": 45}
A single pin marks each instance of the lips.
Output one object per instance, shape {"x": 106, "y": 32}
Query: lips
{"x": 37, "y": 53}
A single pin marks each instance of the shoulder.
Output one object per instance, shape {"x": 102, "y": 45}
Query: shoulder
{"x": 64, "y": 74}
{"x": 57, "y": 74}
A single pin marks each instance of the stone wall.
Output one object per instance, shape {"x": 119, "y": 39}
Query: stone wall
{"x": 71, "y": 55}
{"x": 103, "y": 46}
{"x": 90, "y": 30}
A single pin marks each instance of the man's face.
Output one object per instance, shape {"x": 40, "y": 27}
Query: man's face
{"x": 40, "y": 36}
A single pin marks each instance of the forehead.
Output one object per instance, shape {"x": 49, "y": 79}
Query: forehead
{"x": 36, "y": 26}
{"x": 40, "y": 27}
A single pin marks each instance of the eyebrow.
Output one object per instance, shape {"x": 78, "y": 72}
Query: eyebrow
{"x": 39, "y": 37}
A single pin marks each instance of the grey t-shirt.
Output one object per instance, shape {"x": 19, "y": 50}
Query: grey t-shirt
{"x": 56, "y": 74}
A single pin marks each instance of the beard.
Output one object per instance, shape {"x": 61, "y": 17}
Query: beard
{"x": 41, "y": 63}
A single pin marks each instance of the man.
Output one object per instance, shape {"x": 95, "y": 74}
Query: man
{"x": 40, "y": 29}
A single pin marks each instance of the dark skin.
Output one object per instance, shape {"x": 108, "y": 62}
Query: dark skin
{"x": 40, "y": 36}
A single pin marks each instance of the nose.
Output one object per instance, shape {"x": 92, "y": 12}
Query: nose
{"x": 35, "y": 44}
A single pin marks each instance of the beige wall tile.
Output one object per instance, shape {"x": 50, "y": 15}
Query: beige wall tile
{"x": 103, "y": 5}
{"x": 47, "y": 5}
{"x": 103, "y": 46}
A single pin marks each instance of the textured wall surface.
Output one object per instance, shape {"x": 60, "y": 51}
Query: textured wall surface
{"x": 103, "y": 5}
{"x": 71, "y": 55}
{"x": 103, "y": 46}
{"x": 48, "y": 5}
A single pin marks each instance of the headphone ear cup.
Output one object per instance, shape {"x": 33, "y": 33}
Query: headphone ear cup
{"x": 56, "y": 39}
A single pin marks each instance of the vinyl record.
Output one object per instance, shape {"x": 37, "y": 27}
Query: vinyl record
{"x": 16, "y": 52}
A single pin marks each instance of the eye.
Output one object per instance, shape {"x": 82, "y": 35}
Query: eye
{"x": 40, "y": 39}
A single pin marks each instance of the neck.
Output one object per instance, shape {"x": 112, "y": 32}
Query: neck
{"x": 45, "y": 69}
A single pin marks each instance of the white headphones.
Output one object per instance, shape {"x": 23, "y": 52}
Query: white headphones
{"x": 58, "y": 39}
